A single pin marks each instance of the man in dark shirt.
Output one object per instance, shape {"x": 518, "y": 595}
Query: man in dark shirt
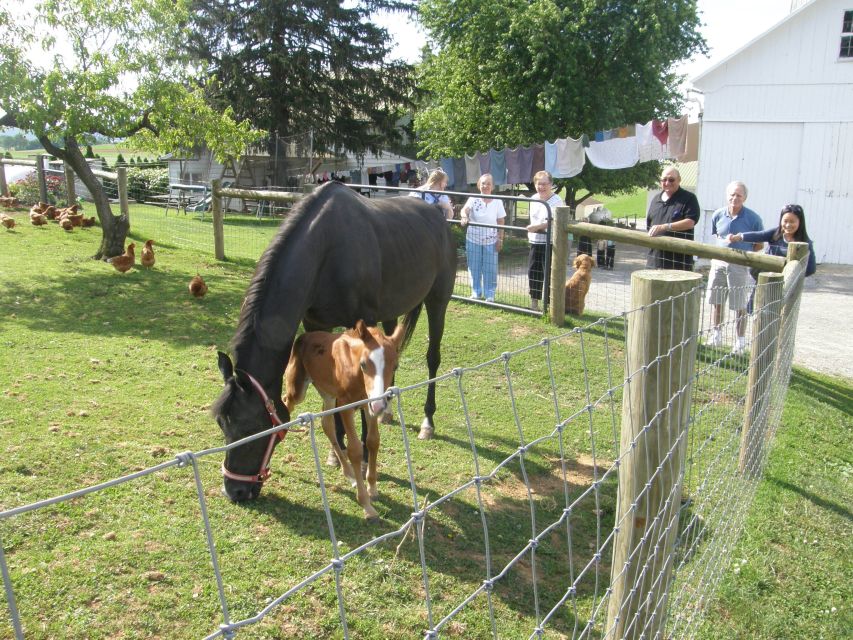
{"x": 673, "y": 213}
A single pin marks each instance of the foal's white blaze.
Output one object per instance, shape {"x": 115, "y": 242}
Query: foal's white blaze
{"x": 377, "y": 357}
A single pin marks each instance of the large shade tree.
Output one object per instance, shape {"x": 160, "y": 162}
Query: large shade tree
{"x": 510, "y": 72}
{"x": 73, "y": 68}
{"x": 318, "y": 65}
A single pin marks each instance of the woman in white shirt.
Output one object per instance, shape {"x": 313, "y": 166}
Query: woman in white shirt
{"x": 536, "y": 235}
{"x": 482, "y": 244}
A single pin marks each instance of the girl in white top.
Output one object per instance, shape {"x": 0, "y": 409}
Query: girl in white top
{"x": 482, "y": 244}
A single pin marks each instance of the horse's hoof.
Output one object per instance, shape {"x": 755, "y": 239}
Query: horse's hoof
{"x": 332, "y": 460}
{"x": 426, "y": 432}
{"x": 372, "y": 518}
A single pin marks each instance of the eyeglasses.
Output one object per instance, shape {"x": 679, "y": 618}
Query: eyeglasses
{"x": 793, "y": 208}
{"x": 667, "y": 179}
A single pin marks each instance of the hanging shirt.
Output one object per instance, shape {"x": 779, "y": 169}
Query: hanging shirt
{"x": 570, "y": 158}
{"x": 616, "y": 153}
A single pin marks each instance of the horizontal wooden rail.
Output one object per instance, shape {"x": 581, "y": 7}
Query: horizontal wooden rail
{"x": 761, "y": 261}
{"x": 15, "y": 161}
{"x": 258, "y": 194}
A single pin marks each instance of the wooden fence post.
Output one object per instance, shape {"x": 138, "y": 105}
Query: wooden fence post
{"x": 218, "y": 228}
{"x": 70, "y": 187}
{"x": 660, "y": 363}
{"x": 123, "y": 202}
{"x": 559, "y": 257}
{"x": 4, "y": 187}
{"x": 762, "y": 370}
{"x": 41, "y": 179}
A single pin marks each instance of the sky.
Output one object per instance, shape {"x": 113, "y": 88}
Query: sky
{"x": 728, "y": 25}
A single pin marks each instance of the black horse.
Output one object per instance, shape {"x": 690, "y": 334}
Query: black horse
{"x": 339, "y": 257}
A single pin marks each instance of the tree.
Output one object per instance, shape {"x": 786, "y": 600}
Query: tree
{"x": 295, "y": 67}
{"x": 110, "y": 69}
{"x": 509, "y": 73}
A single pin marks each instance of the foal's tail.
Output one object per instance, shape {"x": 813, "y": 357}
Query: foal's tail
{"x": 411, "y": 321}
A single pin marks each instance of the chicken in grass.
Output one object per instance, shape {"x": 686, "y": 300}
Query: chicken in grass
{"x": 88, "y": 222}
{"x": 38, "y": 219}
{"x": 147, "y": 258}
{"x": 66, "y": 224}
{"x": 7, "y": 221}
{"x": 125, "y": 261}
{"x": 198, "y": 287}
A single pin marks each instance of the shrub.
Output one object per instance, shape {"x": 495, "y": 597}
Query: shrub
{"x": 120, "y": 159}
{"x": 27, "y": 189}
{"x": 144, "y": 182}
{"x": 89, "y": 152}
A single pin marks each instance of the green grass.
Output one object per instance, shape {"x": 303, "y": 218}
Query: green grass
{"x": 108, "y": 151}
{"x": 630, "y": 206}
{"x": 103, "y": 374}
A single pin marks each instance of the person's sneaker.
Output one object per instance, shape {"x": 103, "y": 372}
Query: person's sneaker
{"x": 534, "y": 304}
{"x": 739, "y": 346}
{"x": 716, "y": 339}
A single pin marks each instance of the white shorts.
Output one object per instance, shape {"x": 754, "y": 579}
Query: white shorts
{"x": 730, "y": 281}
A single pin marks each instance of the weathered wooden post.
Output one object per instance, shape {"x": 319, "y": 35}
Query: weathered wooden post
{"x": 70, "y": 187}
{"x": 662, "y": 337}
{"x": 4, "y": 187}
{"x": 559, "y": 257}
{"x": 218, "y": 228}
{"x": 792, "y": 289}
{"x": 762, "y": 369}
{"x": 41, "y": 178}
{"x": 123, "y": 202}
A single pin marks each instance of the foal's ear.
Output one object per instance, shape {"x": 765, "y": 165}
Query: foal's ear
{"x": 225, "y": 366}
{"x": 361, "y": 330}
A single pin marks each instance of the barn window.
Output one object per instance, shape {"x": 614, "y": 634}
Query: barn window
{"x": 847, "y": 36}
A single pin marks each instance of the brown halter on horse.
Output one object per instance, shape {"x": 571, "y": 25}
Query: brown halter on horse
{"x": 338, "y": 257}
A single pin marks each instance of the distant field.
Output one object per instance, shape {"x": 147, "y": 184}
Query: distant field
{"x": 632, "y": 205}
{"x": 109, "y": 152}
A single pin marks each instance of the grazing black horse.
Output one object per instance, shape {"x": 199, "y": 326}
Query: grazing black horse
{"x": 339, "y": 257}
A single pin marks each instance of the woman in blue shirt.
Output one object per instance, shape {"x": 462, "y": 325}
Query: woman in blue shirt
{"x": 792, "y": 228}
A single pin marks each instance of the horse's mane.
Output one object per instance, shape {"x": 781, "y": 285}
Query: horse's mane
{"x": 306, "y": 208}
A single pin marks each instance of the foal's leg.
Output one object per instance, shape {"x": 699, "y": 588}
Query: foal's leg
{"x": 373, "y": 448}
{"x": 355, "y": 453}
{"x": 329, "y": 427}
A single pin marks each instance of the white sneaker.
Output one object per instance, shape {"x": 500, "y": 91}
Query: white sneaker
{"x": 716, "y": 338}
{"x": 739, "y": 346}
{"x": 534, "y": 305}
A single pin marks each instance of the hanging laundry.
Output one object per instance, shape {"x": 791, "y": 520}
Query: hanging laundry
{"x": 447, "y": 167}
{"x": 607, "y": 134}
{"x": 677, "y": 136}
{"x": 525, "y": 164}
{"x": 497, "y": 160}
{"x": 648, "y": 145}
{"x": 660, "y": 130}
{"x": 485, "y": 162}
{"x": 550, "y": 157}
{"x": 570, "y": 158}
{"x": 616, "y": 153}
{"x": 459, "y": 173}
{"x": 538, "y": 163}
{"x": 472, "y": 168}
{"x": 513, "y": 165}
{"x": 599, "y": 136}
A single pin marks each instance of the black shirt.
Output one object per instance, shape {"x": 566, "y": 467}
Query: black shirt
{"x": 682, "y": 204}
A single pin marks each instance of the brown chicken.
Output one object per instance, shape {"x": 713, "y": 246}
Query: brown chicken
{"x": 66, "y": 224}
{"x": 125, "y": 261}
{"x": 198, "y": 287}
{"x": 7, "y": 222}
{"x": 147, "y": 259}
{"x": 88, "y": 222}
{"x": 38, "y": 219}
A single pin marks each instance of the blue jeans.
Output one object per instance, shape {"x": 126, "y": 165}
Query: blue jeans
{"x": 483, "y": 267}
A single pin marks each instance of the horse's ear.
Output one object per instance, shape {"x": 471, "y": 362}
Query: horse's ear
{"x": 361, "y": 330}
{"x": 225, "y": 366}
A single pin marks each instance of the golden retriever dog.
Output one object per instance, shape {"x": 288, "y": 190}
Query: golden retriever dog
{"x": 578, "y": 285}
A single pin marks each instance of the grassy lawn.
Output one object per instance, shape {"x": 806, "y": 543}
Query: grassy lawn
{"x": 104, "y": 374}
{"x": 108, "y": 151}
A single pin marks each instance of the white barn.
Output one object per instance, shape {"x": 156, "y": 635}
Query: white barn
{"x": 778, "y": 114}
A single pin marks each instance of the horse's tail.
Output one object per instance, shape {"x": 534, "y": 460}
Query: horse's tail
{"x": 411, "y": 321}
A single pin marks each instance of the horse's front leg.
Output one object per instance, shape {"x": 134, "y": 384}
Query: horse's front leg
{"x": 436, "y": 331}
{"x": 329, "y": 428}
{"x": 373, "y": 450}
{"x": 355, "y": 452}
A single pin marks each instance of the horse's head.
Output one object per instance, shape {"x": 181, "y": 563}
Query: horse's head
{"x": 378, "y": 362}
{"x": 243, "y": 409}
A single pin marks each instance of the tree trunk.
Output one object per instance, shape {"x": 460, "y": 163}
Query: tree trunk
{"x": 114, "y": 228}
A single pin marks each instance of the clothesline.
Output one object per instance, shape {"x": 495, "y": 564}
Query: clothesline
{"x": 618, "y": 148}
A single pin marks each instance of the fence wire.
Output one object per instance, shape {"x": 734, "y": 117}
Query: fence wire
{"x": 525, "y": 516}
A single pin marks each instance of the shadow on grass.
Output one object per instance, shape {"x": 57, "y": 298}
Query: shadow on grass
{"x": 835, "y": 393}
{"x": 838, "y": 509}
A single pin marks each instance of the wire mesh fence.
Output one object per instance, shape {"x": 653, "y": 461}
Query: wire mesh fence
{"x": 523, "y": 531}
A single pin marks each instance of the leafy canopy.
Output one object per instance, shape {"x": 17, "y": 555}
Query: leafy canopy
{"x": 70, "y": 68}
{"x": 510, "y": 72}
{"x": 317, "y": 65}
